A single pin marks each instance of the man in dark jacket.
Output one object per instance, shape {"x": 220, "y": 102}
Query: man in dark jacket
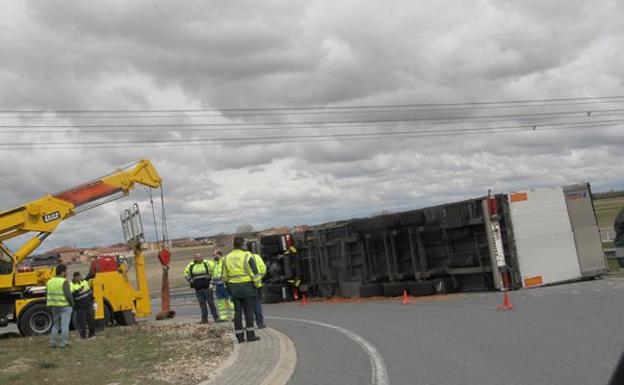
{"x": 198, "y": 274}
{"x": 83, "y": 306}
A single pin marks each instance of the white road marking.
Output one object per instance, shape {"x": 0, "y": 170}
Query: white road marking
{"x": 378, "y": 367}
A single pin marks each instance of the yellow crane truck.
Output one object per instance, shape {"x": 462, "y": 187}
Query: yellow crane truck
{"x": 22, "y": 293}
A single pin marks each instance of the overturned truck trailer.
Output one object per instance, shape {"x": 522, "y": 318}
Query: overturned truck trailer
{"x": 499, "y": 242}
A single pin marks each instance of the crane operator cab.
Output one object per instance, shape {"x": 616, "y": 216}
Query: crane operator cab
{"x": 6, "y": 262}
{"x": 6, "y": 270}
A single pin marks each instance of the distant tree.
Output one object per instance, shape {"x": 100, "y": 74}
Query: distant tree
{"x": 243, "y": 229}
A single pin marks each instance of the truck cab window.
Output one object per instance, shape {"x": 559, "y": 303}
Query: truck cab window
{"x": 6, "y": 262}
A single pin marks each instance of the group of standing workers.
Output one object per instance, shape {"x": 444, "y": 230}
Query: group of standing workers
{"x": 236, "y": 280}
{"x": 64, "y": 298}
{"x": 236, "y": 276}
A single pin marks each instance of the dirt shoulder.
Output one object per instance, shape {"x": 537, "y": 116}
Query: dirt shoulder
{"x": 149, "y": 352}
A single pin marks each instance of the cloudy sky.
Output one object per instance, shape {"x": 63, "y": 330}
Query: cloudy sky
{"x": 219, "y": 72}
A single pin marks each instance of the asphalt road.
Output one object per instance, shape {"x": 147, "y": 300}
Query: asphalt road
{"x": 567, "y": 334}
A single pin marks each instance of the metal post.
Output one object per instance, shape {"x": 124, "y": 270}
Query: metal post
{"x": 390, "y": 277}
{"x": 417, "y": 276}
{"x": 487, "y": 222}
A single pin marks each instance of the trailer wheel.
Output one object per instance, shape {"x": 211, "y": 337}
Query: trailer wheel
{"x": 326, "y": 290}
{"x": 100, "y": 324}
{"x": 35, "y": 320}
{"x": 125, "y": 318}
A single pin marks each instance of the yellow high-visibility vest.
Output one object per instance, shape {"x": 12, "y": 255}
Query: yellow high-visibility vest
{"x": 199, "y": 269}
{"x": 236, "y": 267}
{"x": 218, "y": 269}
{"x": 261, "y": 270}
{"x": 80, "y": 290}
{"x": 260, "y": 264}
{"x": 55, "y": 295}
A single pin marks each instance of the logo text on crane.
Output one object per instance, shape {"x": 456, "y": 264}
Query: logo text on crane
{"x": 51, "y": 217}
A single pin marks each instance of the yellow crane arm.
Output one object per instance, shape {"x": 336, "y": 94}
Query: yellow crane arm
{"x": 46, "y": 213}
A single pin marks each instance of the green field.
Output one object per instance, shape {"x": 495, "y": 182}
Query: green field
{"x": 607, "y": 209}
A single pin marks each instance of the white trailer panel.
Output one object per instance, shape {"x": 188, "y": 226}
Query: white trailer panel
{"x": 544, "y": 238}
{"x": 585, "y": 227}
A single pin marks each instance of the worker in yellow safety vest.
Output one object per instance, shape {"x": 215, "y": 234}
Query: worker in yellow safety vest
{"x": 60, "y": 301}
{"x": 198, "y": 274}
{"x": 258, "y": 308}
{"x": 224, "y": 306}
{"x": 83, "y": 306}
{"x": 242, "y": 278}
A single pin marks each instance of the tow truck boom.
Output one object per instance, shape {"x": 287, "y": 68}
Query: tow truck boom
{"x": 46, "y": 213}
{"x": 22, "y": 294}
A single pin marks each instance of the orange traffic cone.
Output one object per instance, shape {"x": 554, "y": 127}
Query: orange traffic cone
{"x": 405, "y": 298}
{"x": 506, "y": 303}
{"x": 304, "y": 299}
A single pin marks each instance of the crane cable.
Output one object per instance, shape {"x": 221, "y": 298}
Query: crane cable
{"x": 165, "y": 230}
{"x": 164, "y": 257}
{"x": 154, "y": 216}
{"x": 163, "y": 220}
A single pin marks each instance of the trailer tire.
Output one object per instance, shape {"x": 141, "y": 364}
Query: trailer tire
{"x": 371, "y": 290}
{"x": 327, "y": 289}
{"x": 36, "y": 320}
{"x": 125, "y": 318}
{"x": 422, "y": 288}
{"x": 275, "y": 239}
{"x": 394, "y": 289}
{"x": 100, "y": 324}
{"x": 273, "y": 298}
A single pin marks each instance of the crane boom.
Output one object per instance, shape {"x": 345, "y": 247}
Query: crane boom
{"x": 45, "y": 214}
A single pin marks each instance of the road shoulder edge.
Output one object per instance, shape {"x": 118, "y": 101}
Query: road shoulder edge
{"x": 226, "y": 364}
{"x": 285, "y": 367}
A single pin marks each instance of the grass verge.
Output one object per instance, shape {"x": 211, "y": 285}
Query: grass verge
{"x": 149, "y": 352}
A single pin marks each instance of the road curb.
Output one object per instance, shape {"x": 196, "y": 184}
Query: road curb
{"x": 285, "y": 368}
{"x": 258, "y": 362}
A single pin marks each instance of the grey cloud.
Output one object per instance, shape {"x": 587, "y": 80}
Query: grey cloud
{"x": 146, "y": 55}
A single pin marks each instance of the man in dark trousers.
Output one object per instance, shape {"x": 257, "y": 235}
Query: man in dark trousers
{"x": 83, "y": 306}
{"x": 198, "y": 274}
{"x": 242, "y": 278}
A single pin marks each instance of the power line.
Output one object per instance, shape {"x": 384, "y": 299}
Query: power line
{"x": 287, "y": 141}
{"x": 355, "y": 125}
{"x": 282, "y": 139}
{"x": 121, "y": 114}
{"x": 305, "y": 108}
{"x": 23, "y": 128}
{"x": 526, "y": 114}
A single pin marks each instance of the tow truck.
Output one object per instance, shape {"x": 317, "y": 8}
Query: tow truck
{"x": 22, "y": 293}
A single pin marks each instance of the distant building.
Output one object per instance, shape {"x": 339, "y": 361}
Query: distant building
{"x": 300, "y": 228}
{"x": 273, "y": 231}
{"x": 68, "y": 254}
{"x": 186, "y": 242}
